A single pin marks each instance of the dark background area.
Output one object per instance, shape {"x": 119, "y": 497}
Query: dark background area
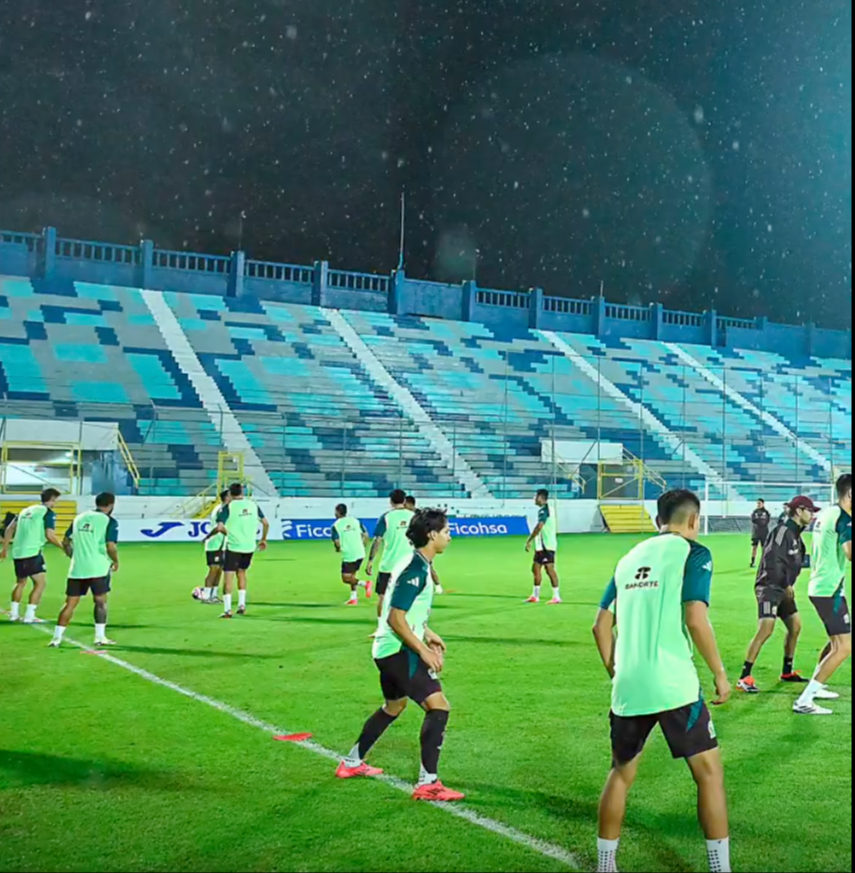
{"x": 694, "y": 152}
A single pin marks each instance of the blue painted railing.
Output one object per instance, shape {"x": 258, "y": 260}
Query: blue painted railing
{"x": 46, "y": 256}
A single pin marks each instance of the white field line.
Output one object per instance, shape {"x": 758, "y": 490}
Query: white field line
{"x": 549, "y": 850}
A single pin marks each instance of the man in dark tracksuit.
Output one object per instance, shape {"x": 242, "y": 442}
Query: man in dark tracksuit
{"x": 761, "y": 518}
{"x": 780, "y": 566}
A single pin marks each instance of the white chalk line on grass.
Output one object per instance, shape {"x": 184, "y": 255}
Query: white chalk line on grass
{"x": 542, "y": 847}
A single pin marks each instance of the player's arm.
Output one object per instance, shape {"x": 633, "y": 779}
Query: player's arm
{"x": 112, "y": 544}
{"x": 375, "y": 546}
{"x": 697, "y": 587}
{"x": 265, "y": 530}
{"x": 434, "y": 639}
{"x": 336, "y": 540}
{"x": 365, "y": 538}
{"x": 604, "y": 628}
{"x": 435, "y": 576}
{"x": 846, "y": 541}
{"x": 67, "y": 543}
{"x": 8, "y": 537}
{"x": 398, "y": 623}
{"x": 50, "y": 529}
{"x": 534, "y": 535}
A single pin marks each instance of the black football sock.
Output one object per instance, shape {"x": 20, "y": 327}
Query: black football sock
{"x": 788, "y": 665}
{"x": 747, "y": 667}
{"x": 433, "y": 735}
{"x": 374, "y": 728}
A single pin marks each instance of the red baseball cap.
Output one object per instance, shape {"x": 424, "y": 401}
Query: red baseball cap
{"x": 803, "y": 502}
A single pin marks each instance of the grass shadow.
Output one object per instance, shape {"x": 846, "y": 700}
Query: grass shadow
{"x": 196, "y": 653}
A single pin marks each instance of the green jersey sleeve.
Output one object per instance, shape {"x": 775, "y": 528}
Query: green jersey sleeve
{"x": 844, "y": 528}
{"x": 223, "y": 517}
{"x": 261, "y": 513}
{"x": 381, "y": 528}
{"x": 112, "y": 531}
{"x": 697, "y": 578}
{"x": 50, "y": 520}
{"x": 609, "y": 595}
{"x": 336, "y": 537}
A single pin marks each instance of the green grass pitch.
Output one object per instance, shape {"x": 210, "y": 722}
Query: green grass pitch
{"x": 103, "y": 770}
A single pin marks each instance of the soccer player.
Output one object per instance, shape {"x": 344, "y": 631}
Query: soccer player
{"x": 350, "y": 539}
{"x": 35, "y": 526}
{"x": 410, "y": 503}
{"x": 391, "y": 533}
{"x": 832, "y": 548}
{"x": 239, "y": 522}
{"x": 780, "y": 566}
{"x": 409, "y": 656}
{"x": 95, "y": 556}
{"x": 546, "y": 545}
{"x": 761, "y": 518}
{"x": 215, "y": 553}
{"x": 659, "y": 599}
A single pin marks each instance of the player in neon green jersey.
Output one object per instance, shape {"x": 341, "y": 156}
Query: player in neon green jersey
{"x": 545, "y": 538}
{"x": 659, "y": 600}
{"x": 409, "y": 656}
{"x": 350, "y": 540}
{"x": 391, "y": 533}
{"x": 95, "y": 556}
{"x": 215, "y": 554}
{"x": 832, "y": 551}
{"x": 239, "y": 522}
{"x": 35, "y": 526}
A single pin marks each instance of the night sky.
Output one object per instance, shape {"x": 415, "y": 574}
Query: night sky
{"x": 695, "y": 152}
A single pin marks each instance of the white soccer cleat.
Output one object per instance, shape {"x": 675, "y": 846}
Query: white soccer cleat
{"x": 32, "y": 621}
{"x": 810, "y": 709}
{"x": 54, "y": 644}
{"x": 104, "y": 642}
{"x": 825, "y": 693}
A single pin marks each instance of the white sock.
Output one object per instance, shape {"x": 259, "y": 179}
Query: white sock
{"x": 808, "y": 695}
{"x": 426, "y": 778}
{"x": 206, "y": 593}
{"x": 353, "y": 597}
{"x": 718, "y": 852}
{"x": 536, "y": 592}
{"x": 353, "y": 760}
{"x": 242, "y": 598}
{"x": 556, "y": 593}
{"x": 15, "y": 611}
{"x": 607, "y": 855}
{"x": 227, "y": 603}
{"x": 361, "y": 584}
{"x": 30, "y": 614}
{"x": 100, "y": 632}
{"x": 58, "y": 633}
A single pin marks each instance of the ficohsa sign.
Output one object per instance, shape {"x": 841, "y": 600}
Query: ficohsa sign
{"x": 148, "y": 531}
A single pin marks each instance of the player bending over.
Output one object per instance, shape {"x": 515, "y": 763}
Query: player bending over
{"x": 832, "y": 549}
{"x": 546, "y": 546}
{"x": 780, "y": 566}
{"x": 391, "y": 533}
{"x": 659, "y": 600}
{"x": 215, "y": 545}
{"x": 409, "y": 656}
{"x": 350, "y": 539}
{"x": 35, "y": 526}
{"x": 761, "y": 518}
{"x": 239, "y": 523}
{"x": 92, "y": 541}
{"x": 410, "y": 504}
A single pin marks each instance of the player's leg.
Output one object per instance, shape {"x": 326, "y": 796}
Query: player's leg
{"x": 242, "y": 586}
{"x": 21, "y": 579}
{"x": 708, "y": 774}
{"x": 72, "y": 598}
{"x": 537, "y": 573}
{"x": 754, "y": 546}
{"x": 230, "y": 567}
{"x": 100, "y": 614}
{"x": 352, "y": 583}
{"x": 834, "y": 613}
{"x": 765, "y": 629}
{"x": 383, "y": 580}
{"x": 552, "y": 573}
{"x": 690, "y": 734}
{"x": 793, "y": 622}
{"x": 392, "y": 680}
{"x": 437, "y": 711}
{"x": 39, "y": 585}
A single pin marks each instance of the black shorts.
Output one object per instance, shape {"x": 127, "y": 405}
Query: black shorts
{"x": 759, "y": 539}
{"x": 405, "y": 675}
{"x": 235, "y": 561}
{"x": 688, "y": 731}
{"x": 215, "y": 559}
{"x": 834, "y": 613}
{"x": 773, "y": 603}
{"x": 544, "y": 558}
{"x": 26, "y": 568}
{"x": 383, "y": 580}
{"x": 351, "y": 568}
{"x": 81, "y": 587}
